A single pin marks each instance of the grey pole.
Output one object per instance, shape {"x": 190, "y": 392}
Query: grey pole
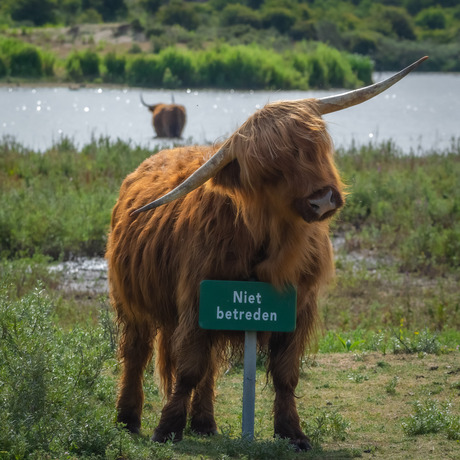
{"x": 249, "y": 384}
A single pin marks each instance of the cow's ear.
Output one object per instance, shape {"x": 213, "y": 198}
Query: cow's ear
{"x": 229, "y": 176}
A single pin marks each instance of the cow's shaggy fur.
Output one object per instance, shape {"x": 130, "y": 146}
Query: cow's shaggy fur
{"x": 252, "y": 220}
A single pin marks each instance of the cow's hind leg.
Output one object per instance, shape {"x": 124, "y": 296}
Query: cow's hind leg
{"x": 136, "y": 347}
{"x": 202, "y": 409}
{"x": 192, "y": 356}
{"x": 284, "y": 367}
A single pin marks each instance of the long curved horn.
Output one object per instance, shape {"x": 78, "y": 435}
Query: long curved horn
{"x": 199, "y": 177}
{"x": 221, "y": 158}
{"x": 343, "y": 101}
{"x": 144, "y": 103}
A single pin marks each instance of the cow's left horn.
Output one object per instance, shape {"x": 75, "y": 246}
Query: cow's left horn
{"x": 342, "y": 101}
{"x": 199, "y": 177}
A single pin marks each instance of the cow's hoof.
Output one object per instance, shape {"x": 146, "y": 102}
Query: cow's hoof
{"x": 203, "y": 427}
{"x": 160, "y": 436}
{"x": 132, "y": 424}
{"x": 301, "y": 445}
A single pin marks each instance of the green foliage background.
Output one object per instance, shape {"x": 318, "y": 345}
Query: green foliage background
{"x": 245, "y": 43}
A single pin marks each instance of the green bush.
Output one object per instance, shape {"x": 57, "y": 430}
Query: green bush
{"x": 178, "y": 64}
{"x": 89, "y": 63}
{"x": 431, "y": 18}
{"x": 242, "y": 67}
{"x": 145, "y": 71}
{"x": 432, "y": 416}
{"x": 21, "y": 59}
{"x": 180, "y": 13}
{"x": 115, "y": 68}
{"x": 3, "y": 67}
{"x": 26, "y": 62}
{"x": 83, "y": 65}
{"x": 234, "y": 14}
{"x": 53, "y": 396}
{"x": 73, "y": 67}
{"x": 282, "y": 19}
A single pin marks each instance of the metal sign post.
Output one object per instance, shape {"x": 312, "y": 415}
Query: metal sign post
{"x": 249, "y": 383}
{"x": 248, "y": 306}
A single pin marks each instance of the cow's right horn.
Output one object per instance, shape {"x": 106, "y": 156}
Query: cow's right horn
{"x": 199, "y": 177}
{"x": 342, "y": 101}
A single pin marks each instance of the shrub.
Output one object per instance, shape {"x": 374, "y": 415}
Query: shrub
{"x": 399, "y": 21}
{"x": 26, "y": 61}
{"x": 89, "y": 62}
{"x": 3, "y": 67}
{"x": 234, "y": 14}
{"x": 145, "y": 71}
{"x": 39, "y": 12}
{"x": 282, "y": 19}
{"x": 431, "y": 18}
{"x": 115, "y": 68}
{"x": 73, "y": 68}
{"x": 303, "y": 30}
{"x": 179, "y": 65}
{"x": 179, "y": 13}
{"x": 362, "y": 42}
{"x": 433, "y": 417}
{"x": 82, "y": 65}
{"x": 51, "y": 380}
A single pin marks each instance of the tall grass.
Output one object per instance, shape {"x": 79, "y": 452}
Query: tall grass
{"x": 57, "y": 365}
{"x": 404, "y": 203}
{"x": 58, "y": 203}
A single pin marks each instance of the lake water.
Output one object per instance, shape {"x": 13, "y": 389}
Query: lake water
{"x": 419, "y": 113}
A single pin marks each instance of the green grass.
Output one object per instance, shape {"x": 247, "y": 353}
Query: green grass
{"x": 58, "y": 391}
{"x": 384, "y": 378}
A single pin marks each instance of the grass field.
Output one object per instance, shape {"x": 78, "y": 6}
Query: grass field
{"x": 383, "y": 382}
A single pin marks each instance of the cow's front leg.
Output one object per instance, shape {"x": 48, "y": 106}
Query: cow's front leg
{"x": 284, "y": 362}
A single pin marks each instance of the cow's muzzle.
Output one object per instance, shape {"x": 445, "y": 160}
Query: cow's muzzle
{"x": 320, "y": 205}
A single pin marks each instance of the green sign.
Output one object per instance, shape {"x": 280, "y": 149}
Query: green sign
{"x": 246, "y": 306}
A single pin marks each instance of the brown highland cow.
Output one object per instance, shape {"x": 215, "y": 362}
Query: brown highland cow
{"x": 258, "y": 207}
{"x": 168, "y": 120}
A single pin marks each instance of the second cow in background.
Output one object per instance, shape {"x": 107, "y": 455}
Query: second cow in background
{"x": 168, "y": 120}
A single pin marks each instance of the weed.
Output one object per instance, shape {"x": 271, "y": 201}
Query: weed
{"x": 418, "y": 342}
{"x": 348, "y": 345}
{"x": 326, "y": 424}
{"x": 254, "y": 449}
{"x": 390, "y": 388}
{"x": 50, "y": 380}
{"x": 433, "y": 417}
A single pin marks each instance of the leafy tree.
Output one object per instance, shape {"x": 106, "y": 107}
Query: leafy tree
{"x": 280, "y": 18}
{"x": 239, "y": 14}
{"x": 108, "y": 9}
{"x": 179, "y": 13}
{"x": 38, "y": 12}
{"x": 431, "y": 18}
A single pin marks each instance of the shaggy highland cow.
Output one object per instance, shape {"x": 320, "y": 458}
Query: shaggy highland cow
{"x": 257, "y": 207}
{"x": 168, "y": 120}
